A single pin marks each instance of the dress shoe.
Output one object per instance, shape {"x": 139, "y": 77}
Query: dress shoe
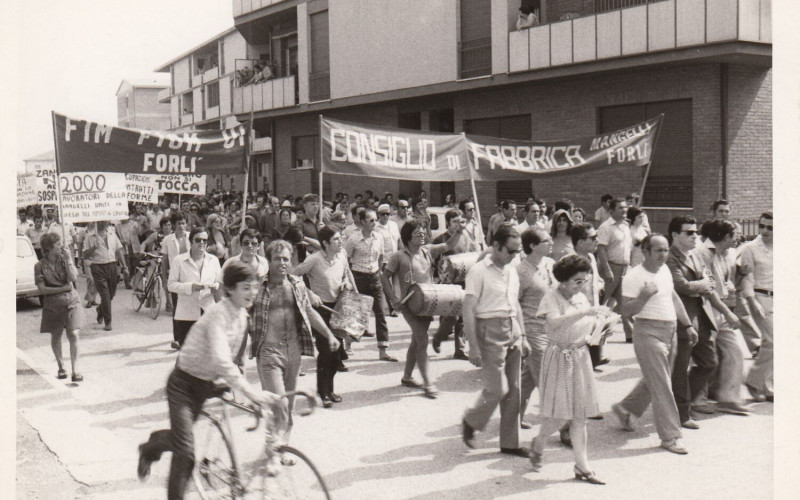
{"x": 589, "y": 477}
{"x": 690, "y": 424}
{"x": 99, "y": 316}
{"x": 342, "y": 368}
{"x": 143, "y": 469}
{"x": 629, "y": 341}
{"x": 755, "y": 394}
{"x": 467, "y": 434}
{"x": 302, "y": 373}
{"x": 461, "y": 355}
{"x": 410, "y": 382}
{"x": 603, "y": 361}
{"x": 623, "y": 418}
{"x": 704, "y": 408}
{"x": 770, "y": 398}
{"x": 563, "y": 436}
{"x": 388, "y": 357}
{"x": 107, "y": 327}
{"x": 674, "y": 447}
{"x": 517, "y": 452}
{"x": 175, "y": 344}
{"x": 437, "y": 345}
{"x": 369, "y": 334}
{"x": 596, "y": 417}
{"x": 733, "y": 408}
{"x": 524, "y": 424}
{"x": 431, "y": 392}
{"x": 335, "y": 397}
{"x": 327, "y": 402}
{"x": 91, "y": 304}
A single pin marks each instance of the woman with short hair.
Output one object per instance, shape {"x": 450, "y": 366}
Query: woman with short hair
{"x": 55, "y": 276}
{"x": 567, "y": 391}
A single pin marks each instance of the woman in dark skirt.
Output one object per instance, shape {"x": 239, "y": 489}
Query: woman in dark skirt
{"x": 61, "y": 305}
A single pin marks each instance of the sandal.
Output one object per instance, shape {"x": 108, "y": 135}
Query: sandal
{"x": 287, "y": 460}
{"x": 76, "y": 377}
{"x": 62, "y": 373}
{"x": 410, "y": 382}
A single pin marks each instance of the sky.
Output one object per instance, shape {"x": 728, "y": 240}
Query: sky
{"x": 73, "y": 54}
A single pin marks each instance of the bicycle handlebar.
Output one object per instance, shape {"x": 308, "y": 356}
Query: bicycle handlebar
{"x": 258, "y": 412}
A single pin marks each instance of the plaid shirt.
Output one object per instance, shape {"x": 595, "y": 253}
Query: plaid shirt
{"x": 260, "y": 315}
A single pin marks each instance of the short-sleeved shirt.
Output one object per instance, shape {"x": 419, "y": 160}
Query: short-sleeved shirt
{"x": 102, "y": 249}
{"x": 758, "y": 256}
{"x": 418, "y": 268}
{"x": 261, "y": 265}
{"x": 534, "y": 283}
{"x": 364, "y": 253}
{"x": 660, "y": 306}
{"x": 497, "y": 289}
{"x": 325, "y": 276}
{"x": 616, "y": 236}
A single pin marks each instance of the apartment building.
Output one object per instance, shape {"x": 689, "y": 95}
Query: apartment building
{"x": 589, "y": 66}
{"x": 200, "y": 97}
{"x": 138, "y": 105}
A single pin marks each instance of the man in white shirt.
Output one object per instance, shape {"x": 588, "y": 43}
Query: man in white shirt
{"x": 649, "y": 297}
{"x": 388, "y": 230}
{"x": 23, "y": 224}
{"x": 472, "y": 229}
{"x": 250, "y": 240}
{"x": 532, "y": 215}
{"x": 173, "y": 245}
{"x": 103, "y": 249}
{"x": 195, "y": 277}
{"x": 604, "y": 212}
{"x": 401, "y": 217}
{"x": 614, "y": 245}
{"x": 507, "y": 215}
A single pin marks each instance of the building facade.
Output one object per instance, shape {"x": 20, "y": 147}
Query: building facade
{"x": 590, "y": 66}
{"x": 138, "y": 105}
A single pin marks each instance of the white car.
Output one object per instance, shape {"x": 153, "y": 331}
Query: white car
{"x": 26, "y": 259}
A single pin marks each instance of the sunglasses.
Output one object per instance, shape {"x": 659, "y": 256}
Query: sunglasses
{"x": 248, "y": 243}
{"x": 690, "y": 232}
{"x": 200, "y": 240}
{"x": 763, "y": 226}
{"x": 513, "y": 251}
{"x": 383, "y": 214}
{"x": 402, "y": 206}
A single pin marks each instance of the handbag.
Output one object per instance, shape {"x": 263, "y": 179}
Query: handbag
{"x": 351, "y": 314}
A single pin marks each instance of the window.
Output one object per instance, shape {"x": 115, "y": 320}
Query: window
{"x": 187, "y": 103}
{"x": 670, "y": 182}
{"x": 212, "y": 95}
{"x": 304, "y": 151}
{"x": 508, "y": 127}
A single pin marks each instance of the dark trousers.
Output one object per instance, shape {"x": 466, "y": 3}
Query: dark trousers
{"x": 370, "y": 284}
{"x": 327, "y": 361}
{"x": 688, "y": 384}
{"x": 185, "y": 396}
{"x": 105, "y": 278}
{"x": 446, "y": 326}
{"x": 180, "y": 327}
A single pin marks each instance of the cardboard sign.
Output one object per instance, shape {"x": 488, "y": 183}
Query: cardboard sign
{"x": 183, "y": 184}
{"x": 26, "y": 190}
{"x": 142, "y": 188}
{"x": 93, "y": 196}
{"x": 46, "y": 184}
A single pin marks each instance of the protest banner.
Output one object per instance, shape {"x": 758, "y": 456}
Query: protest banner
{"x": 46, "y": 184}
{"x": 354, "y": 149}
{"x": 182, "y": 184}
{"x": 93, "y": 196}
{"x": 142, "y": 188}
{"x": 26, "y": 190}
{"x": 85, "y": 146}
{"x": 496, "y": 159}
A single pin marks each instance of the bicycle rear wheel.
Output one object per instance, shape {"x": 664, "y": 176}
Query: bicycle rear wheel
{"x": 215, "y": 475}
{"x": 154, "y": 297}
{"x": 137, "y": 294}
{"x": 301, "y": 480}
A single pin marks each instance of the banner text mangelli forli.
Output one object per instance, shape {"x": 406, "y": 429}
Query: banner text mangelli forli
{"x": 85, "y": 146}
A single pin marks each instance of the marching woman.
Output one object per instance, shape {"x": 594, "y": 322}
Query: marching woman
{"x": 328, "y": 275}
{"x": 414, "y": 264}
{"x": 560, "y": 231}
{"x": 566, "y": 381}
{"x": 218, "y": 238}
{"x": 61, "y": 304}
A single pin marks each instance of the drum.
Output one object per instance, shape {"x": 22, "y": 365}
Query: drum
{"x": 453, "y": 268}
{"x": 351, "y": 315}
{"x": 428, "y": 299}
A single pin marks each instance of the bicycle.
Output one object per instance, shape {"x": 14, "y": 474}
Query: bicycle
{"x": 147, "y": 291}
{"x": 219, "y": 474}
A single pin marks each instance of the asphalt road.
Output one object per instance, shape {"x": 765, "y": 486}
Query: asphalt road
{"x": 384, "y": 441}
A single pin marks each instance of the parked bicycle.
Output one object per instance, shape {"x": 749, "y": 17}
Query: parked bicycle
{"x": 218, "y": 473}
{"x": 148, "y": 285}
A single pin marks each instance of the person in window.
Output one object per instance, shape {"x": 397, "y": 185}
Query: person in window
{"x": 526, "y": 19}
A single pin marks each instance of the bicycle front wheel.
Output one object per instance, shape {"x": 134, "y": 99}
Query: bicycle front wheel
{"x": 154, "y": 297}
{"x": 301, "y": 480}
{"x": 215, "y": 475}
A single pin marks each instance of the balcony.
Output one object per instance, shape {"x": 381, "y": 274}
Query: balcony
{"x": 262, "y": 144}
{"x": 164, "y": 95}
{"x": 272, "y": 94}
{"x": 211, "y": 74}
{"x": 241, "y": 7}
{"x": 476, "y": 58}
{"x": 187, "y": 119}
{"x": 652, "y": 27}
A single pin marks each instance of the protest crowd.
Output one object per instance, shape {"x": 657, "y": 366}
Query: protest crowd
{"x": 536, "y": 294}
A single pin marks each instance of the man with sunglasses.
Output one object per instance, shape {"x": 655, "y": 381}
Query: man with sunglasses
{"x": 695, "y": 288}
{"x": 195, "y": 277}
{"x": 402, "y": 216}
{"x": 250, "y": 241}
{"x": 757, "y": 290}
{"x": 494, "y": 327}
{"x": 472, "y": 229}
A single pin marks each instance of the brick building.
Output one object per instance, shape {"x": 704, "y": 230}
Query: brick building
{"x": 590, "y": 66}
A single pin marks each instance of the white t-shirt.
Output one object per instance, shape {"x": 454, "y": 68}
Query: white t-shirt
{"x": 660, "y": 306}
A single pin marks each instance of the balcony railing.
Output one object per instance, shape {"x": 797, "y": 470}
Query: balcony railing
{"x": 652, "y": 27}
{"x": 262, "y": 144}
{"x": 164, "y": 95}
{"x": 211, "y": 74}
{"x": 319, "y": 86}
{"x": 272, "y": 94}
{"x": 187, "y": 119}
{"x": 476, "y": 58}
{"x": 607, "y": 5}
{"x": 241, "y": 7}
